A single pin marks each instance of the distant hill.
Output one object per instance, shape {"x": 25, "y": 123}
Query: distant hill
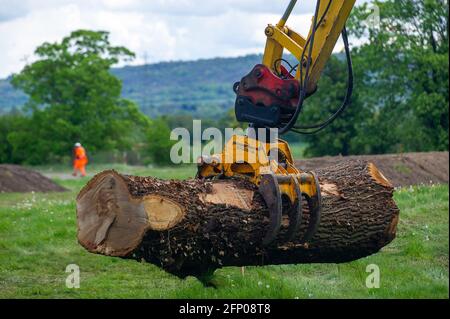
{"x": 202, "y": 88}
{"x": 10, "y": 97}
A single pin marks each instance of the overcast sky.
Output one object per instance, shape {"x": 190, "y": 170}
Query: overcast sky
{"x": 156, "y": 30}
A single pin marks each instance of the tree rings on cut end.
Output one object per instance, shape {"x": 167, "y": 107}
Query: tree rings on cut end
{"x": 162, "y": 212}
{"x": 110, "y": 221}
{"x": 113, "y": 222}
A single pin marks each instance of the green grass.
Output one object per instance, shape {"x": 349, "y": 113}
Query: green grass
{"x": 38, "y": 241}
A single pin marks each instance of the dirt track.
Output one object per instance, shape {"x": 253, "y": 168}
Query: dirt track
{"x": 401, "y": 169}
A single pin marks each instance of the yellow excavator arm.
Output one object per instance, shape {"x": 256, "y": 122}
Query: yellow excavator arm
{"x": 332, "y": 15}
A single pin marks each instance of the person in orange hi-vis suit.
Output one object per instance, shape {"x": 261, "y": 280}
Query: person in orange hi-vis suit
{"x": 80, "y": 160}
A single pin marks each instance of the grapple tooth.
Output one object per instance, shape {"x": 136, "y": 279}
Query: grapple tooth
{"x": 295, "y": 213}
{"x": 315, "y": 209}
{"x": 270, "y": 191}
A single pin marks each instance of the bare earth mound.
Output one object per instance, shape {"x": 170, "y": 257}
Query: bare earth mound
{"x": 401, "y": 169}
{"x": 15, "y": 178}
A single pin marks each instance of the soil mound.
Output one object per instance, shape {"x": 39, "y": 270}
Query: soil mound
{"x": 15, "y": 178}
{"x": 401, "y": 169}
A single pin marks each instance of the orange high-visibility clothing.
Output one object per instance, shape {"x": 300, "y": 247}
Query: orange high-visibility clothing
{"x": 81, "y": 159}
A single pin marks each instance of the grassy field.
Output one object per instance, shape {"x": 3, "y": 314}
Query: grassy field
{"x": 38, "y": 241}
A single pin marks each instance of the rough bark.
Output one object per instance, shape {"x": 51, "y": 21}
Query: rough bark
{"x": 193, "y": 226}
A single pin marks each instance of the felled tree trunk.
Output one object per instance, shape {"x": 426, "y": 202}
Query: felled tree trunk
{"x": 194, "y": 226}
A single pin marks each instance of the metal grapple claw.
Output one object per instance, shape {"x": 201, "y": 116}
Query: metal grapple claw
{"x": 295, "y": 213}
{"x": 273, "y": 186}
{"x": 315, "y": 207}
{"x": 270, "y": 191}
{"x": 280, "y": 183}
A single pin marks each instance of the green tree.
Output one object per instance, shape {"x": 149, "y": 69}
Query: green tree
{"x": 158, "y": 143}
{"x": 402, "y": 72}
{"x": 74, "y": 97}
{"x": 341, "y": 136}
{"x": 400, "y": 99}
{"x": 11, "y": 122}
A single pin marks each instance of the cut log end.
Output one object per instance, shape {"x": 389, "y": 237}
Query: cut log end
{"x": 162, "y": 212}
{"x": 112, "y": 222}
